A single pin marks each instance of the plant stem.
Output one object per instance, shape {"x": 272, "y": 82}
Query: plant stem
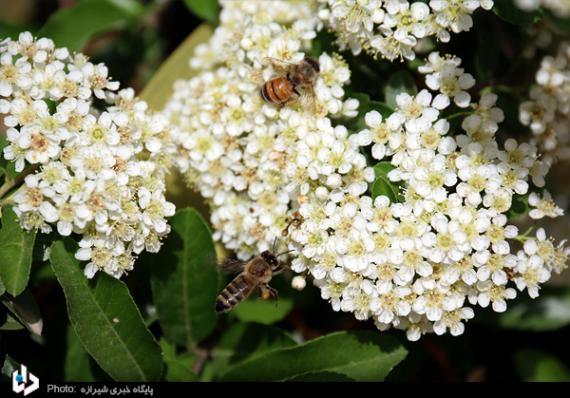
{"x": 10, "y": 183}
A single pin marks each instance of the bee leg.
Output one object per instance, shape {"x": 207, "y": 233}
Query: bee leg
{"x": 266, "y": 292}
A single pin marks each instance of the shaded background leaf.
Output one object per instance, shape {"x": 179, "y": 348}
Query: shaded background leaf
{"x": 537, "y": 365}
{"x": 205, "y": 9}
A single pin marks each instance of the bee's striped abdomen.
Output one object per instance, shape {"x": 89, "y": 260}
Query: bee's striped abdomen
{"x": 236, "y": 291}
{"x": 277, "y": 91}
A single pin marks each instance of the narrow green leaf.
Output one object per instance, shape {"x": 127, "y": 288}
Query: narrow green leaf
{"x": 400, "y": 82}
{"x": 538, "y": 365}
{"x": 77, "y": 365}
{"x": 159, "y": 89}
{"x": 244, "y": 341}
{"x": 16, "y": 248}
{"x": 263, "y": 311}
{"x": 73, "y": 27}
{"x": 184, "y": 280}
{"x": 361, "y": 355}
{"x": 25, "y": 309}
{"x": 106, "y": 319}
{"x": 205, "y": 9}
{"x": 178, "y": 368}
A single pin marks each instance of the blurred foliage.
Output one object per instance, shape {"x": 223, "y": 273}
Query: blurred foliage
{"x": 160, "y": 324}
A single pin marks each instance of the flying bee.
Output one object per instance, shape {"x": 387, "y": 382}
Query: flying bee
{"x": 256, "y": 274}
{"x": 295, "y": 82}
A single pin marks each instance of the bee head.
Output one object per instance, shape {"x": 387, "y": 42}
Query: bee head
{"x": 313, "y": 62}
{"x": 270, "y": 258}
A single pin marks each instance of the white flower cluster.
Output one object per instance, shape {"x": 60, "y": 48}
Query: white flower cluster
{"x": 98, "y": 174}
{"x": 418, "y": 264}
{"x": 415, "y": 265}
{"x": 547, "y": 112}
{"x": 251, "y": 160}
{"x": 560, "y": 8}
{"x": 392, "y": 28}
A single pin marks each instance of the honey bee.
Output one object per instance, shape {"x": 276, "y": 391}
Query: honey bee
{"x": 295, "y": 81}
{"x": 256, "y": 273}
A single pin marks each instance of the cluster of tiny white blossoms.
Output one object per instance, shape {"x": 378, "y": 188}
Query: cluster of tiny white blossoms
{"x": 252, "y": 161}
{"x": 418, "y": 265}
{"x": 560, "y": 8}
{"x": 97, "y": 174}
{"x": 547, "y": 112}
{"x": 392, "y": 28}
{"x": 415, "y": 265}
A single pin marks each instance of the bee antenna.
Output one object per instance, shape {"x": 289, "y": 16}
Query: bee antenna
{"x": 283, "y": 253}
{"x": 274, "y": 245}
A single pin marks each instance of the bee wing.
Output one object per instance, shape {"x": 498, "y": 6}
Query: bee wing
{"x": 231, "y": 265}
{"x": 278, "y": 65}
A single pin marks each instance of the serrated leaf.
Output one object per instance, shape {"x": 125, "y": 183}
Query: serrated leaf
{"x": 321, "y": 377}
{"x": 73, "y": 27}
{"x": 537, "y": 365}
{"x": 508, "y": 11}
{"x": 400, "y": 82}
{"x": 244, "y": 341}
{"x": 265, "y": 312}
{"x": 106, "y": 319}
{"x": 77, "y": 365}
{"x": 205, "y": 9}
{"x": 25, "y": 309}
{"x": 184, "y": 280}
{"x": 16, "y": 248}
{"x": 360, "y": 355}
{"x": 157, "y": 92}
{"x": 178, "y": 367}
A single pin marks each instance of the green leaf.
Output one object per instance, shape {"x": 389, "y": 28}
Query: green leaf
{"x": 205, "y": 9}
{"x": 487, "y": 58}
{"x": 184, "y": 280}
{"x": 106, "y": 319}
{"x": 2, "y": 288}
{"x": 77, "y": 365}
{"x": 551, "y": 311}
{"x": 400, "y": 82}
{"x": 537, "y": 365}
{"x": 8, "y": 322}
{"x": 244, "y": 341}
{"x": 383, "y": 186}
{"x": 12, "y": 31}
{"x": 25, "y": 309}
{"x": 508, "y": 11}
{"x": 263, "y": 311}
{"x": 321, "y": 377}
{"x": 159, "y": 89}
{"x": 9, "y": 366}
{"x": 178, "y": 368}
{"x": 16, "y": 248}
{"x": 360, "y": 355}
{"x": 73, "y": 27}
{"x": 519, "y": 206}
